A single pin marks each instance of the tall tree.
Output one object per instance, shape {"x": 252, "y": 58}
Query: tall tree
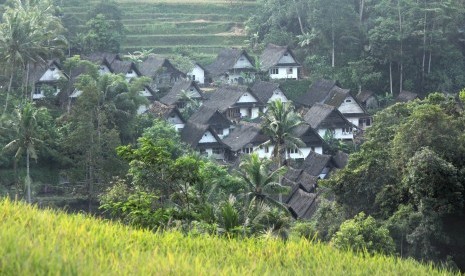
{"x": 26, "y": 139}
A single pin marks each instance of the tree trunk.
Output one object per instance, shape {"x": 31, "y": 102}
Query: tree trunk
{"x": 8, "y": 93}
{"x": 28, "y": 178}
{"x": 390, "y": 78}
{"x": 401, "y": 68}
{"x": 298, "y": 18}
{"x": 362, "y": 7}
{"x": 333, "y": 53}
{"x": 424, "y": 49}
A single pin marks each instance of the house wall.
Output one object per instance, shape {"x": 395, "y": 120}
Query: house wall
{"x": 131, "y": 74}
{"x": 338, "y": 134}
{"x": 243, "y": 62}
{"x": 225, "y": 133}
{"x": 283, "y": 73}
{"x": 287, "y": 59}
{"x": 194, "y": 93}
{"x": 145, "y": 93}
{"x": 278, "y": 94}
{"x": 247, "y": 98}
{"x": 52, "y": 74}
{"x": 197, "y": 74}
{"x": 302, "y": 153}
{"x": 207, "y": 138}
{"x": 103, "y": 69}
{"x": 350, "y": 106}
{"x": 142, "y": 109}
{"x": 245, "y": 112}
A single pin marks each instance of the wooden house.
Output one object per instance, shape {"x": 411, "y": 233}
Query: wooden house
{"x": 232, "y": 66}
{"x": 175, "y": 95}
{"x": 279, "y": 62}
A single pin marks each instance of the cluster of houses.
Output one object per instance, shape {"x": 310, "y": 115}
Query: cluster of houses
{"x": 227, "y": 124}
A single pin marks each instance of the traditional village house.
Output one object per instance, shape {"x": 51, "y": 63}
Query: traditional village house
{"x": 126, "y": 68}
{"x": 161, "y": 71}
{"x": 232, "y": 66}
{"x": 175, "y": 95}
{"x": 46, "y": 78}
{"x": 236, "y": 102}
{"x": 104, "y": 61}
{"x": 327, "y": 92}
{"x": 197, "y": 74}
{"x": 268, "y": 91}
{"x": 323, "y": 118}
{"x": 245, "y": 139}
{"x": 406, "y": 96}
{"x": 213, "y": 118}
{"x": 170, "y": 113}
{"x": 203, "y": 138}
{"x": 367, "y": 99}
{"x": 279, "y": 62}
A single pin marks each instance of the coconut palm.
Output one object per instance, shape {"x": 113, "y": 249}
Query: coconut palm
{"x": 261, "y": 183}
{"x": 280, "y": 122}
{"x": 25, "y": 142}
{"x": 29, "y": 34}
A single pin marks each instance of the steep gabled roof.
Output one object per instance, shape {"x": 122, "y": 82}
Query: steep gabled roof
{"x": 102, "y": 58}
{"x": 315, "y": 163}
{"x": 308, "y": 135}
{"x": 37, "y": 71}
{"x": 175, "y": 93}
{"x": 324, "y": 91}
{"x": 245, "y": 134}
{"x": 325, "y": 116}
{"x": 153, "y": 65}
{"x": 406, "y": 96}
{"x": 264, "y": 90}
{"x": 210, "y": 116}
{"x": 192, "y": 133}
{"x": 164, "y": 111}
{"x": 300, "y": 203}
{"x": 364, "y": 95}
{"x": 227, "y": 96}
{"x": 226, "y": 60}
{"x": 272, "y": 54}
{"x": 123, "y": 67}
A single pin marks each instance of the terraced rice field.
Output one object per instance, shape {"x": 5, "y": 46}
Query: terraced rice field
{"x": 203, "y": 26}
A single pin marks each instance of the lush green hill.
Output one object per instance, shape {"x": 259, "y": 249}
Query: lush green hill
{"x": 35, "y": 242}
{"x": 203, "y": 25}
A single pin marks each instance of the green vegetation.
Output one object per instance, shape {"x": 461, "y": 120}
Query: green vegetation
{"x": 49, "y": 242}
{"x": 165, "y": 25}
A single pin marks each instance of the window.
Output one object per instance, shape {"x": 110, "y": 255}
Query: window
{"x": 247, "y": 150}
{"x": 294, "y": 150}
{"x": 193, "y": 77}
{"x": 203, "y": 152}
{"x": 267, "y": 149}
{"x": 274, "y": 71}
{"x": 348, "y": 100}
{"x": 241, "y": 58}
{"x": 37, "y": 90}
{"x": 290, "y": 70}
{"x": 130, "y": 72}
{"x": 346, "y": 130}
{"x": 312, "y": 148}
{"x": 219, "y": 131}
{"x": 368, "y": 122}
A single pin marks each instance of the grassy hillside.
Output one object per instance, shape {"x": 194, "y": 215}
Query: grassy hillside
{"x": 35, "y": 242}
{"x": 203, "y": 25}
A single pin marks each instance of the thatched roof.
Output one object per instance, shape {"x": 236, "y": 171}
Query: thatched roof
{"x": 210, "y": 116}
{"x": 192, "y": 133}
{"x": 226, "y": 60}
{"x": 325, "y": 116}
{"x": 324, "y": 91}
{"x": 123, "y": 67}
{"x": 272, "y": 54}
{"x": 300, "y": 203}
{"x": 245, "y": 134}
{"x": 164, "y": 111}
{"x": 264, "y": 90}
{"x": 102, "y": 58}
{"x": 154, "y": 65}
{"x": 227, "y": 96}
{"x": 341, "y": 159}
{"x": 364, "y": 95}
{"x": 406, "y": 96}
{"x": 175, "y": 93}
{"x": 315, "y": 163}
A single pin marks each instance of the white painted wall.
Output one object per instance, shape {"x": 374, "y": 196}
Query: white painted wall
{"x": 103, "y": 69}
{"x": 338, "y": 134}
{"x": 225, "y": 133}
{"x": 194, "y": 93}
{"x": 278, "y": 94}
{"x": 245, "y": 112}
{"x": 247, "y": 98}
{"x": 52, "y": 74}
{"x": 145, "y": 93}
{"x": 207, "y": 138}
{"x": 302, "y": 153}
{"x": 350, "y": 106}
{"x": 131, "y": 74}
{"x": 286, "y": 58}
{"x": 284, "y": 73}
{"x": 243, "y": 62}
{"x": 197, "y": 74}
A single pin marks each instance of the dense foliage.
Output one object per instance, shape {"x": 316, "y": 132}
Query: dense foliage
{"x": 409, "y": 174}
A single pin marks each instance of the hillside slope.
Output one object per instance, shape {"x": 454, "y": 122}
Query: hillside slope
{"x": 37, "y": 242}
{"x": 204, "y": 26}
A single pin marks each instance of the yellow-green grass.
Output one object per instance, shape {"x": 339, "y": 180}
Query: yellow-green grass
{"x": 46, "y": 242}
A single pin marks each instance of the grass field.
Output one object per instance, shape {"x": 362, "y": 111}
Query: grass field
{"x": 205, "y": 26}
{"x": 37, "y": 242}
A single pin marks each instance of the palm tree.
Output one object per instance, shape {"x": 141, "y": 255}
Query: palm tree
{"x": 260, "y": 182}
{"x": 29, "y": 33}
{"x": 280, "y": 122}
{"x": 26, "y": 126}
